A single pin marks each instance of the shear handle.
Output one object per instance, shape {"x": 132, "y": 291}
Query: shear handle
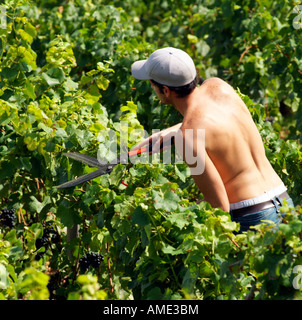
{"x": 149, "y": 148}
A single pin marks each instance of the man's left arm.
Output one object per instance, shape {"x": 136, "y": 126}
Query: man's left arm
{"x": 191, "y": 145}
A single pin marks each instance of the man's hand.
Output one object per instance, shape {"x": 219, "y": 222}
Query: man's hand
{"x": 158, "y": 139}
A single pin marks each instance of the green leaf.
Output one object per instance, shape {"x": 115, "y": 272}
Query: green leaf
{"x": 116, "y": 175}
{"x": 37, "y": 206}
{"x": 15, "y": 253}
{"x": 190, "y": 278}
{"x": 35, "y": 281}
{"x": 100, "y": 219}
{"x": 140, "y": 217}
{"x": 34, "y": 232}
{"x": 182, "y": 174}
{"x": 56, "y": 73}
{"x": 102, "y": 82}
{"x": 179, "y": 219}
{"x": 29, "y": 89}
{"x": 203, "y": 48}
{"x": 30, "y": 29}
{"x": 67, "y": 215}
{"x": 131, "y": 107}
{"x": 168, "y": 249}
{"x": 49, "y": 80}
{"x": 25, "y": 36}
{"x": 9, "y": 73}
{"x": 167, "y": 201}
{"x": 28, "y": 61}
{"x": 91, "y": 195}
{"x": 108, "y": 197}
{"x": 292, "y": 228}
{"x": 165, "y": 27}
{"x": 83, "y": 137}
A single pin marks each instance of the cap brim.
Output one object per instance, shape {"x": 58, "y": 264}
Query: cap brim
{"x": 138, "y": 70}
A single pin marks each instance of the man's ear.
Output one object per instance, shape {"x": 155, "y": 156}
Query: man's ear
{"x": 167, "y": 91}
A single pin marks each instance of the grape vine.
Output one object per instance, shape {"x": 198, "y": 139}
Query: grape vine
{"x": 65, "y": 83}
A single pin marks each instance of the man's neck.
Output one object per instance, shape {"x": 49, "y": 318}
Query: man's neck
{"x": 182, "y": 104}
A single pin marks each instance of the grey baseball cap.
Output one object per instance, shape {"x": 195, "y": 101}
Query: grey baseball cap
{"x": 168, "y": 66}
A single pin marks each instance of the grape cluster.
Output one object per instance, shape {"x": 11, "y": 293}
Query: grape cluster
{"x": 50, "y": 235}
{"x": 92, "y": 259}
{"x": 42, "y": 242}
{"x": 8, "y": 217}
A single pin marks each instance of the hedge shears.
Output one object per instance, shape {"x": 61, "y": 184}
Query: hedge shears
{"x": 102, "y": 168}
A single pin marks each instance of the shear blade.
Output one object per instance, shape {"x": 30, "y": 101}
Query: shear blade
{"x": 85, "y": 177}
{"x": 93, "y": 162}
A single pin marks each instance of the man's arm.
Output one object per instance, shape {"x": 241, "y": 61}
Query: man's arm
{"x": 207, "y": 178}
{"x": 158, "y": 138}
{"x": 211, "y": 186}
{"x": 191, "y": 146}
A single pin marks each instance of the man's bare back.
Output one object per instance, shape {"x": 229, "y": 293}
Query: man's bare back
{"x": 236, "y": 167}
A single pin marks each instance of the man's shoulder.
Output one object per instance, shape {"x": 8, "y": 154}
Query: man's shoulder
{"x": 197, "y": 120}
{"x": 214, "y": 80}
{"x": 216, "y": 84}
{"x": 218, "y": 90}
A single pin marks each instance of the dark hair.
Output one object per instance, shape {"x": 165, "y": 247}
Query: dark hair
{"x": 181, "y": 91}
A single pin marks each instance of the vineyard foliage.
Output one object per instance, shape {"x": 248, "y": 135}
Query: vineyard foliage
{"x": 65, "y": 84}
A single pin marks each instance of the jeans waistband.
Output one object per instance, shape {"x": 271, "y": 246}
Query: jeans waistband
{"x": 276, "y": 202}
{"x": 268, "y": 195}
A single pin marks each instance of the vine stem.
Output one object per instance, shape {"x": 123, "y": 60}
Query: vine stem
{"x": 234, "y": 242}
{"x": 20, "y": 216}
{"x": 109, "y": 268}
{"x": 76, "y": 263}
{"x": 245, "y": 52}
{"x": 161, "y": 239}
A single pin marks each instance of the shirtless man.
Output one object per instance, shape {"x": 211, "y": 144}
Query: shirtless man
{"x": 237, "y": 176}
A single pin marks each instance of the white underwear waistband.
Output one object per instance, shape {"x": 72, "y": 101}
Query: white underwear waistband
{"x": 268, "y": 195}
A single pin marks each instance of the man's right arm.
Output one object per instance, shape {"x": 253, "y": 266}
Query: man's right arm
{"x": 157, "y": 138}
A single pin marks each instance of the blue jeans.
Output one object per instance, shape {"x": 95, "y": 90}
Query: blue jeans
{"x": 252, "y": 219}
